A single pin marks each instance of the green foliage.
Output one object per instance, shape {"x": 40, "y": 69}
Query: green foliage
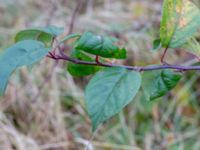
{"x": 98, "y": 45}
{"x": 23, "y": 53}
{"x": 71, "y": 36}
{"x": 180, "y": 20}
{"x": 192, "y": 46}
{"x": 79, "y": 69}
{"x": 109, "y": 91}
{"x": 45, "y": 35}
{"x": 158, "y": 83}
{"x": 156, "y": 44}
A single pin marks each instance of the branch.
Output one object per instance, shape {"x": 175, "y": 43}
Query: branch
{"x": 74, "y": 14}
{"x": 136, "y": 68}
{"x": 163, "y": 56}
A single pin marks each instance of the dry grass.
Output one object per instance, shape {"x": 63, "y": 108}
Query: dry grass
{"x": 43, "y": 108}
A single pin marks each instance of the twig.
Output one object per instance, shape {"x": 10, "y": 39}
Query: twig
{"x": 163, "y": 56}
{"x": 74, "y": 14}
{"x": 136, "y": 68}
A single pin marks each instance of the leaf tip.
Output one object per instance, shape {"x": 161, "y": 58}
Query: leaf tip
{"x": 94, "y": 127}
{"x": 156, "y": 45}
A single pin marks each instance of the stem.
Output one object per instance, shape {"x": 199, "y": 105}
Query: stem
{"x": 136, "y": 68}
{"x": 97, "y": 60}
{"x": 163, "y": 56}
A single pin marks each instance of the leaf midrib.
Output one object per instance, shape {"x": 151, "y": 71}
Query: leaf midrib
{"x": 125, "y": 73}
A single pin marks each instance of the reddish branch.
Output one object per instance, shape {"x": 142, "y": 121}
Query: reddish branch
{"x": 136, "y": 68}
{"x": 163, "y": 56}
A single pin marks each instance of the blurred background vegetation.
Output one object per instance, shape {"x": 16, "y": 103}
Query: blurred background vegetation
{"x": 43, "y": 108}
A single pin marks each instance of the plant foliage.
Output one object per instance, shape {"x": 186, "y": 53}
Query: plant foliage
{"x": 111, "y": 89}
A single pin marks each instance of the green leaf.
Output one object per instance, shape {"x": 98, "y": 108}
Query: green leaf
{"x": 25, "y": 52}
{"x": 156, "y": 84}
{"x": 180, "y": 20}
{"x": 44, "y": 35}
{"x": 4, "y": 79}
{"x": 192, "y": 46}
{"x": 98, "y": 45}
{"x": 109, "y": 91}
{"x": 156, "y": 45}
{"x": 80, "y": 69}
{"x": 71, "y": 36}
